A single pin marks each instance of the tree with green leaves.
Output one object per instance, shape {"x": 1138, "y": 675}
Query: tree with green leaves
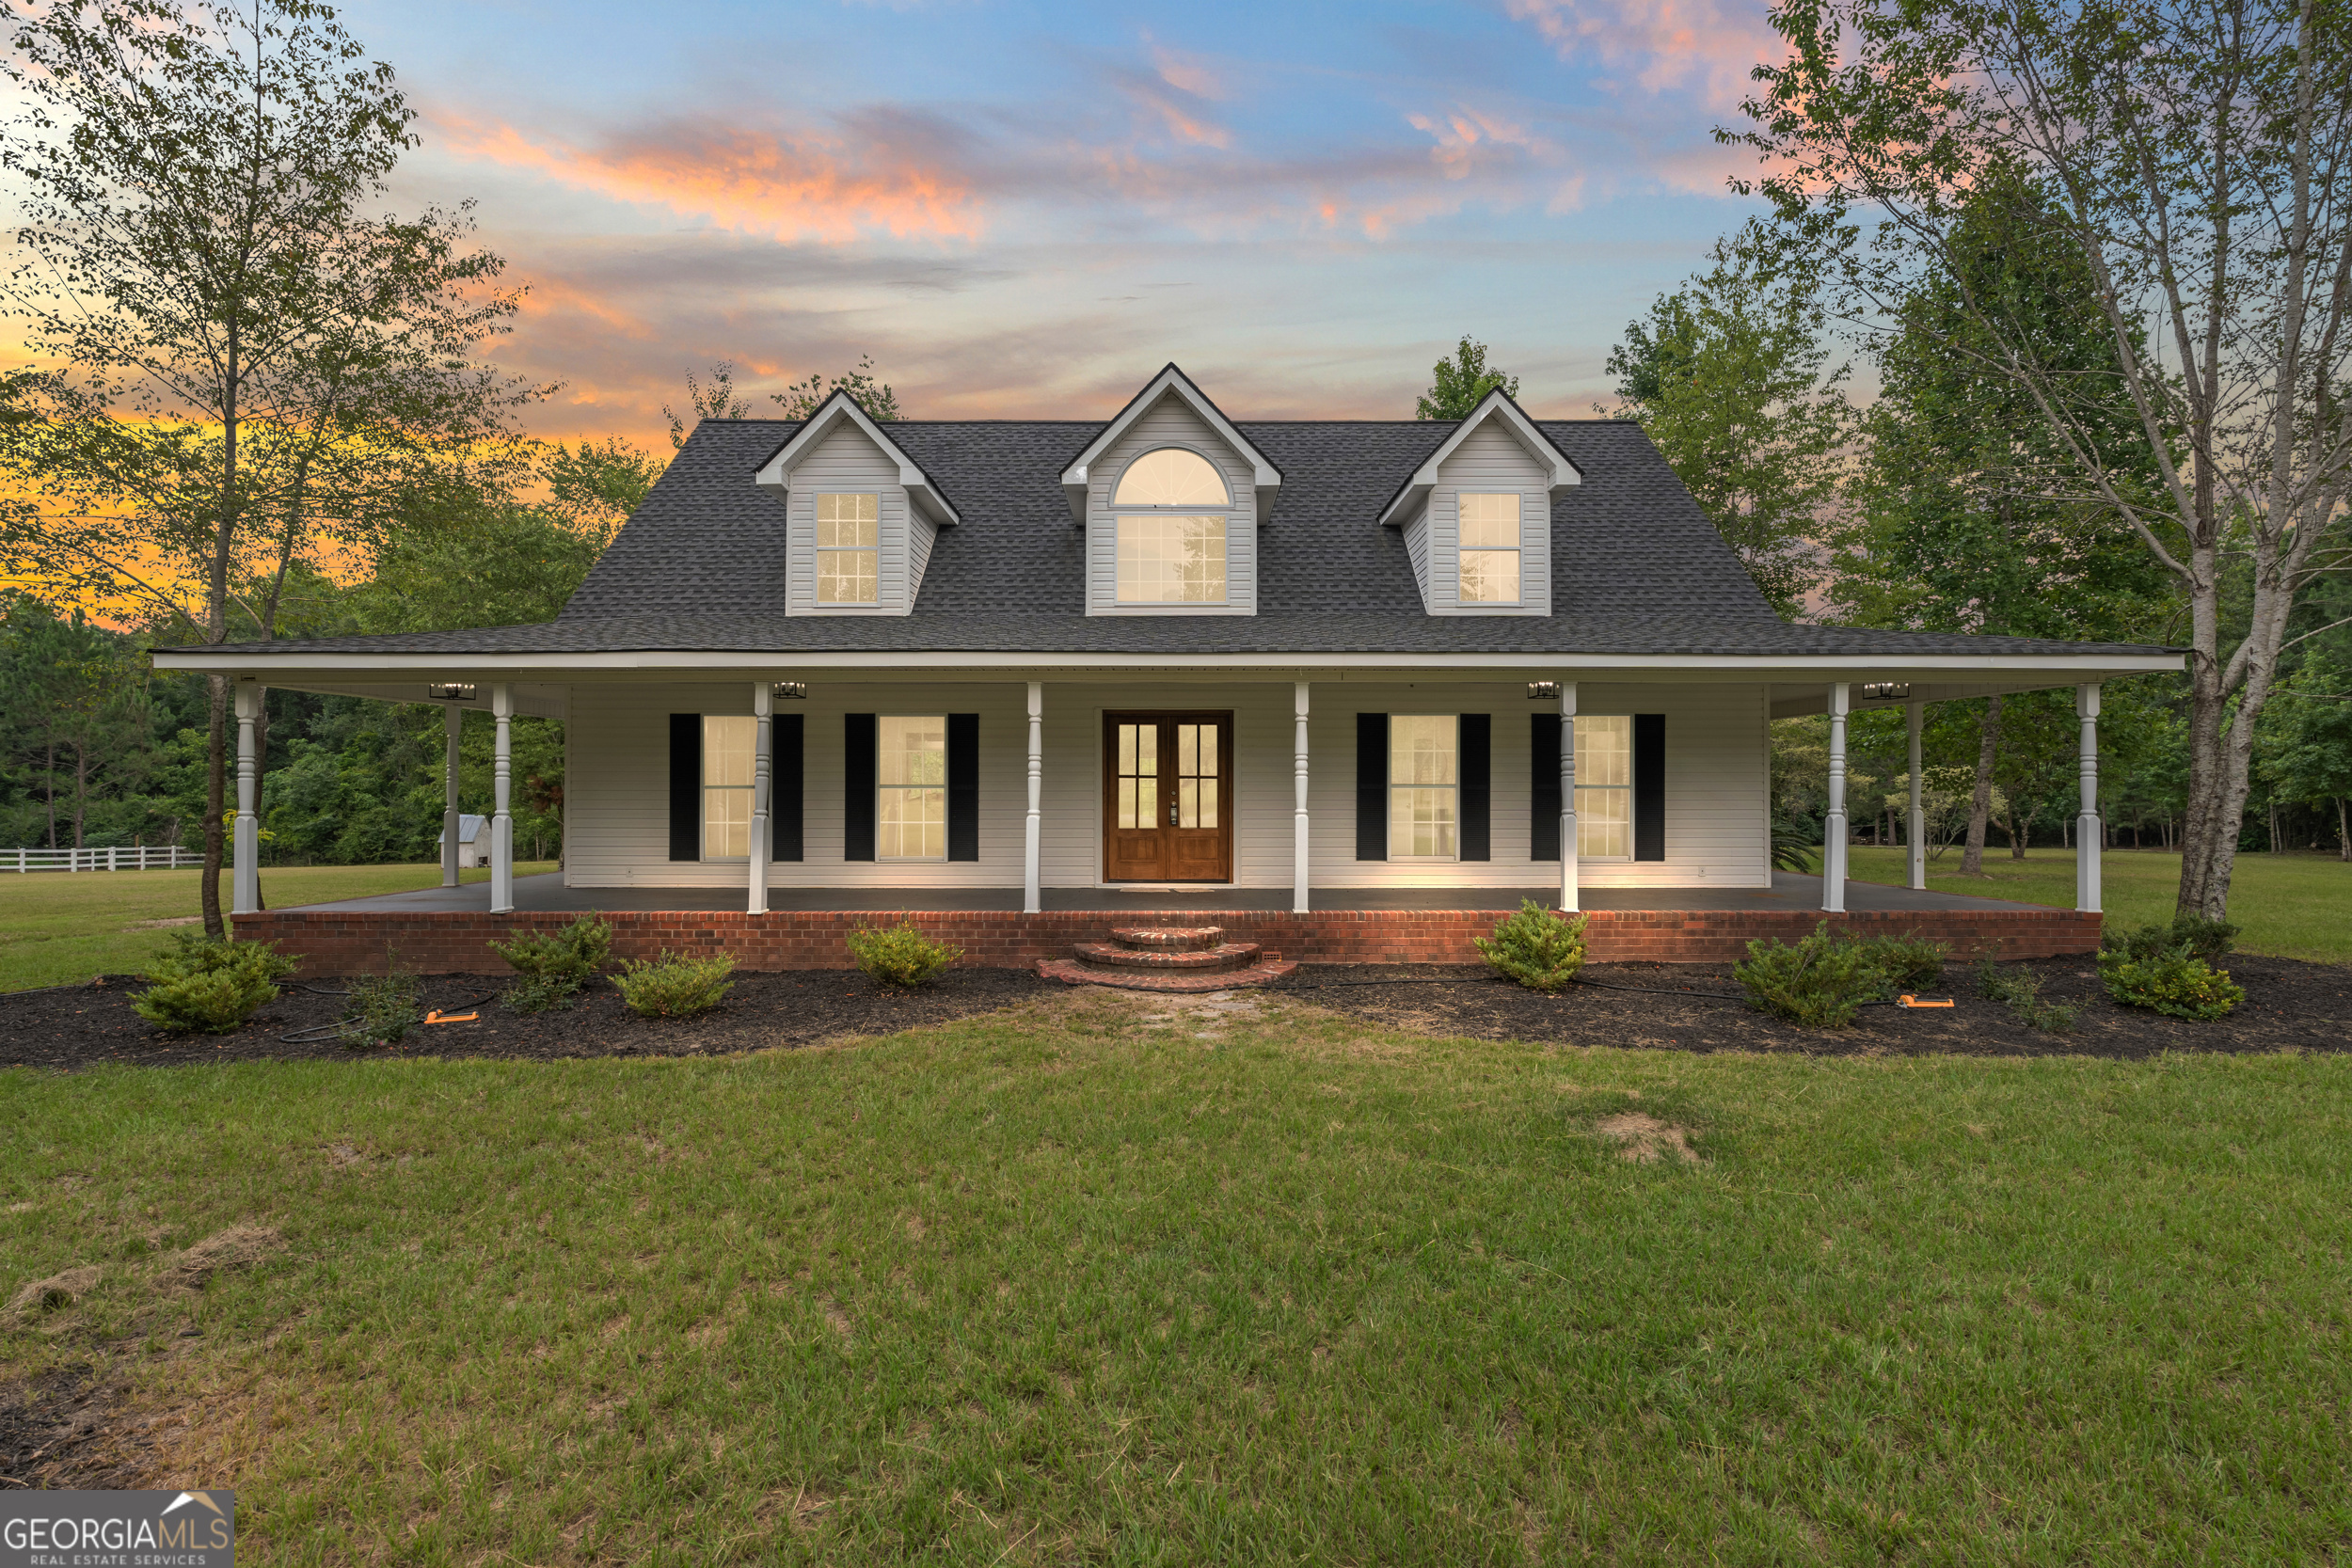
{"x": 252, "y": 367}
{"x": 720, "y": 400}
{"x": 1458, "y": 385}
{"x": 2307, "y": 742}
{"x": 1730, "y": 377}
{"x": 597, "y": 484}
{"x": 2194, "y": 156}
{"x": 1953, "y": 529}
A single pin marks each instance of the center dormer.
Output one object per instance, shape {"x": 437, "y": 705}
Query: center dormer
{"x": 860, "y": 515}
{"x": 1171, "y": 497}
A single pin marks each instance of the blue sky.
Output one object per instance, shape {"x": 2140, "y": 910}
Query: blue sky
{"x": 1026, "y": 209}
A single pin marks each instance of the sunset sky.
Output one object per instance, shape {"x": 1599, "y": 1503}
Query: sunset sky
{"x": 1026, "y": 208}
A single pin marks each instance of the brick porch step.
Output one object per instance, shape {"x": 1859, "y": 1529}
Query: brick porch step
{"x": 1071, "y": 972}
{"x": 1228, "y": 955}
{"x": 1167, "y": 936}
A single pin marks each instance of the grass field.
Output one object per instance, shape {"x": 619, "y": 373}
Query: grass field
{"x": 56, "y": 928}
{"x": 1069, "y": 1285}
{"x": 2290, "y": 905}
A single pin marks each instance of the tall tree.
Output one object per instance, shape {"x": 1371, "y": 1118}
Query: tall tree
{"x": 1730, "y": 377}
{"x": 1457, "y": 384}
{"x": 597, "y": 484}
{"x": 2196, "y": 154}
{"x": 252, "y": 367}
{"x": 802, "y": 398}
{"x": 1953, "y": 529}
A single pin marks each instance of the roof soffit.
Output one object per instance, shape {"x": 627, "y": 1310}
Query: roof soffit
{"x": 1266, "y": 478}
{"x": 1499, "y": 407}
{"x": 776, "y": 473}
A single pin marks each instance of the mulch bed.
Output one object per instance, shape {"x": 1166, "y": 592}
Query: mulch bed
{"x": 84, "y": 1025}
{"x": 2289, "y": 1005}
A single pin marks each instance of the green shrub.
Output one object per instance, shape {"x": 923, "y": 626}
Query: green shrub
{"x": 539, "y": 993}
{"x": 2020, "y": 991}
{"x": 573, "y": 952}
{"x": 674, "y": 986}
{"x": 200, "y": 984}
{"x": 1909, "y": 963}
{"x": 2174, "y": 982}
{"x": 899, "y": 955}
{"x": 1793, "y": 845}
{"x": 2193, "y": 934}
{"x": 1542, "y": 949}
{"x": 1817, "y": 981}
{"x": 382, "y": 1010}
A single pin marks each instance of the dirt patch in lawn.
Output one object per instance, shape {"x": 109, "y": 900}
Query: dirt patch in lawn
{"x": 83, "y": 1025}
{"x": 2290, "y": 1005}
{"x": 1644, "y": 1140}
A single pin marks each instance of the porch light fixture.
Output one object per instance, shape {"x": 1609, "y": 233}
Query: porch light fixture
{"x": 1885, "y": 691}
{"x": 1543, "y": 691}
{"x": 450, "y": 694}
{"x": 792, "y": 688}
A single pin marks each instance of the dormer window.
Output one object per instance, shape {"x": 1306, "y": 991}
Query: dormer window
{"x": 848, "y": 548}
{"x": 1170, "y": 549}
{"x": 1490, "y": 549}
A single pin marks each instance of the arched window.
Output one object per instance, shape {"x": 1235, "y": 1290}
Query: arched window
{"x": 1170, "y": 477}
{"x": 1170, "y": 550}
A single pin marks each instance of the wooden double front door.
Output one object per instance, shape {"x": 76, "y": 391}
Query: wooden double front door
{"x": 1168, "y": 797}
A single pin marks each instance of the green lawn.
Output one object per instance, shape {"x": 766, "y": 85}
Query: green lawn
{"x": 56, "y": 928}
{"x": 2291, "y": 906}
{"x": 1069, "y": 1285}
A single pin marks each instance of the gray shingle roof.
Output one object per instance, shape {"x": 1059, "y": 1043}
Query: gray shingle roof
{"x": 1638, "y": 569}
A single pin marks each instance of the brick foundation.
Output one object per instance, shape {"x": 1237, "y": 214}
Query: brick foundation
{"x": 344, "y": 942}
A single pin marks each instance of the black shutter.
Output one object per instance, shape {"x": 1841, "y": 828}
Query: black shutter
{"x": 1649, "y": 787}
{"x": 857, "y": 786}
{"x": 964, "y": 786}
{"x": 1476, "y": 773}
{"x": 686, "y": 786}
{"x": 784, "y": 789}
{"x": 1372, "y": 786}
{"x": 1543, "y": 787}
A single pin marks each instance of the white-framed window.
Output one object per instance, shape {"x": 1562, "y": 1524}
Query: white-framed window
{"x": 1425, "y": 786}
{"x": 848, "y": 548}
{"x": 910, "y": 792}
{"x": 728, "y": 744}
{"x": 1489, "y": 547}
{"x": 1171, "y": 548}
{"x": 1604, "y": 787}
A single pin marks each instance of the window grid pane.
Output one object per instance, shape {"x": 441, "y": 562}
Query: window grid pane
{"x": 849, "y": 555}
{"x": 1139, "y": 776}
{"x": 1603, "y": 825}
{"x": 910, "y": 808}
{"x": 1421, "y": 824}
{"x": 1170, "y": 477}
{"x": 1490, "y": 577}
{"x": 1604, "y": 780}
{"x": 1490, "y": 521}
{"x": 1171, "y": 560}
{"x": 1421, "y": 749}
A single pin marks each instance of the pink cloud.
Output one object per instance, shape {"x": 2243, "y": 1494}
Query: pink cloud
{"x": 1672, "y": 45}
{"x": 786, "y": 186}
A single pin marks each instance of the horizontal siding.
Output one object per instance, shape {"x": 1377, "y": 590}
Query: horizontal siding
{"x": 1717, "y": 783}
{"x": 1489, "y": 460}
{"x": 847, "y": 460}
{"x": 1172, "y": 422}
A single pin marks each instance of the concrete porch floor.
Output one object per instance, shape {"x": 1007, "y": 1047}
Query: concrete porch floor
{"x": 1788, "y": 893}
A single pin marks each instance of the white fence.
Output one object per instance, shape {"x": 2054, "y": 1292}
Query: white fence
{"x": 119, "y": 857}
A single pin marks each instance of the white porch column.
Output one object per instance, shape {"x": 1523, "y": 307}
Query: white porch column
{"x": 453, "y": 722}
{"x": 2088, "y": 834}
{"x": 244, "y": 881}
{"x": 1567, "y": 795}
{"x": 1833, "y": 829}
{"x": 503, "y": 825}
{"x": 1916, "y": 819}
{"x": 1032, "y": 847}
{"x": 1300, "y": 869}
{"x": 763, "y": 768}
